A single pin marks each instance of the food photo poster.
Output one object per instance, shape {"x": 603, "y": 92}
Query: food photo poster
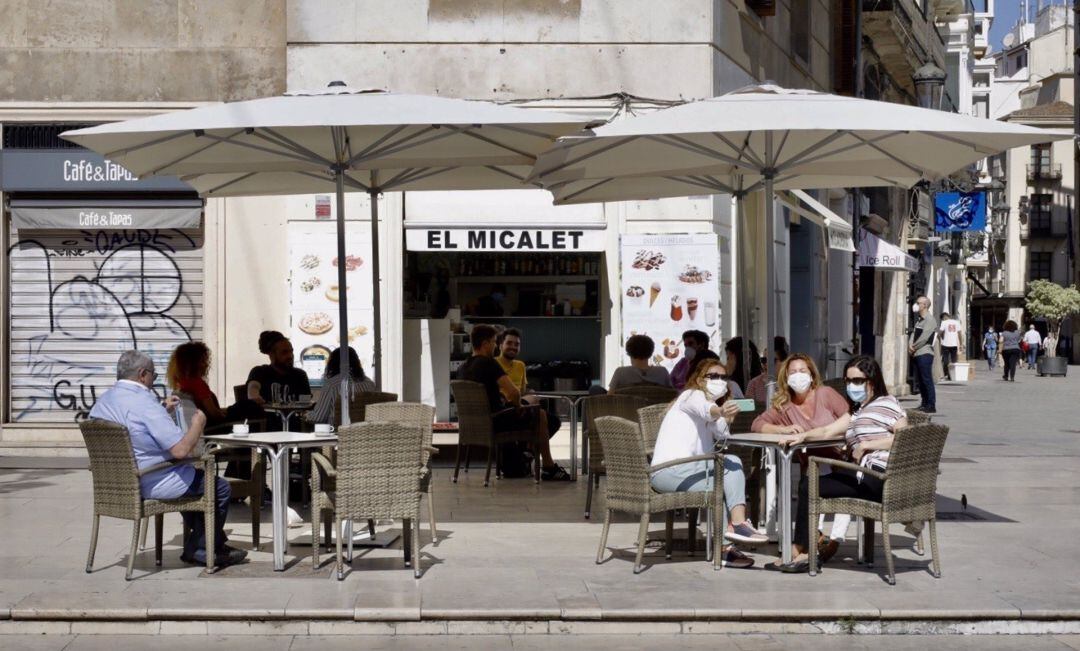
{"x": 670, "y": 284}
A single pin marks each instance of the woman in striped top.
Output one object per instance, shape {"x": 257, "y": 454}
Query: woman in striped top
{"x": 867, "y": 435}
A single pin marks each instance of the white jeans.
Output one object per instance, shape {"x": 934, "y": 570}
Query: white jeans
{"x": 840, "y": 522}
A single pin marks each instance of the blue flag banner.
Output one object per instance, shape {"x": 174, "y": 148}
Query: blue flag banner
{"x": 959, "y": 211}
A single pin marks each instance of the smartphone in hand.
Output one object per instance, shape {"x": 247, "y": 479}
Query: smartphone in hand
{"x": 745, "y": 404}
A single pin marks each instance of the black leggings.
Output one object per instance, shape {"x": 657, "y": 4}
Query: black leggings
{"x": 835, "y": 484}
{"x": 1012, "y": 358}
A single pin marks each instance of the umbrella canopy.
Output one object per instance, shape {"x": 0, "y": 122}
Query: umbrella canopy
{"x": 339, "y": 140}
{"x": 798, "y": 138}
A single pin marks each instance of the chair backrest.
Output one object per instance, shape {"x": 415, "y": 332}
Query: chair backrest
{"x": 379, "y": 467}
{"x": 413, "y": 414}
{"x": 473, "y": 412}
{"x": 916, "y": 417}
{"x": 610, "y": 404}
{"x": 837, "y": 384}
{"x": 625, "y": 460}
{"x": 744, "y": 421}
{"x": 239, "y": 392}
{"x": 653, "y": 394}
{"x": 359, "y": 402}
{"x": 913, "y": 471}
{"x": 650, "y": 419}
{"x": 112, "y": 466}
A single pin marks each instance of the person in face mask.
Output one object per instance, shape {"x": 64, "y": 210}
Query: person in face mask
{"x": 921, "y": 349}
{"x": 868, "y": 434}
{"x": 801, "y": 404}
{"x": 695, "y": 342}
{"x": 696, "y": 421}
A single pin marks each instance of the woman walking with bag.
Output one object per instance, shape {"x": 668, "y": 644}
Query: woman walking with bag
{"x": 1010, "y": 349}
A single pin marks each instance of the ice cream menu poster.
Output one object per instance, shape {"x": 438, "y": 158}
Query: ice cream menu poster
{"x": 670, "y": 284}
{"x": 315, "y": 294}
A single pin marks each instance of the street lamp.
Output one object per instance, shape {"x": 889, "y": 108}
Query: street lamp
{"x": 929, "y": 85}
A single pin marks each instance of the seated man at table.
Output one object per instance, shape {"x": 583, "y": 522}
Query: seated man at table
{"x": 507, "y": 415}
{"x": 156, "y": 439}
{"x": 280, "y": 372}
{"x": 639, "y": 348}
{"x": 509, "y": 344}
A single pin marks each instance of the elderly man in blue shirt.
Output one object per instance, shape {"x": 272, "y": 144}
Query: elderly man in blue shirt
{"x": 156, "y": 438}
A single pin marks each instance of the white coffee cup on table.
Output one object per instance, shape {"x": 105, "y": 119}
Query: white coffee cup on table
{"x": 241, "y": 429}
{"x": 323, "y": 429}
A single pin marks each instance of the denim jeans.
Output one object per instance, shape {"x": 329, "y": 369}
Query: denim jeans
{"x": 697, "y": 476}
{"x": 924, "y": 373}
{"x": 1032, "y": 354}
{"x": 196, "y": 522}
{"x": 948, "y": 356}
{"x": 991, "y": 356}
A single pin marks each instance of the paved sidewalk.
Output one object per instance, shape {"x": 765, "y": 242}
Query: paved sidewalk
{"x": 518, "y": 552}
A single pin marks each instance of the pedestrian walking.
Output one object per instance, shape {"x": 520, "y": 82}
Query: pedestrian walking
{"x": 990, "y": 346}
{"x": 921, "y": 348}
{"x": 1010, "y": 349}
{"x": 951, "y": 340}
{"x": 1033, "y": 340}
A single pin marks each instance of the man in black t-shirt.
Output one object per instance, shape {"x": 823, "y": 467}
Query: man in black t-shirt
{"x": 280, "y": 371}
{"x": 507, "y": 415}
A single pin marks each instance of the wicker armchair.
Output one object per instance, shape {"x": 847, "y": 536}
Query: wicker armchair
{"x": 417, "y": 415}
{"x": 916, "y": 417}
{"x": 650, "y": 419}
{"x": 629, "y": 490}
{"x": 910, "y": 483}
{"x": 837, "y": 384}
{"x": 117, "y": 493}
{"x": 622, "y": 406}
{"x": 653, "y": 394}
{"x": 255, "y": 484}
{"x": 379, "y": 474}
{"x": 752, "y": 462}
{"x": 475, "y": 427}
{"x": 359, "y": 402}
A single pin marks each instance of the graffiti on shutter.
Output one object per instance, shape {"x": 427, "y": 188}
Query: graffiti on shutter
{"x": 80, "y": 298}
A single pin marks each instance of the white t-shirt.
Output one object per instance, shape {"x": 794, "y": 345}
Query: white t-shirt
{"x": 688, "y": 429}
{"x": 950, "y": 333}
{"x": 1033, "y": 338}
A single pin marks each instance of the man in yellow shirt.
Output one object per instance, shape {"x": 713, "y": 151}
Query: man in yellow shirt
{"x": 509, "y": 342}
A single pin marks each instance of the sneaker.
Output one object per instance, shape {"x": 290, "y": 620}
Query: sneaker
{"x": 744, "y": 533}
{"x": 555, "y": 473}
{"x": 222, "y": 558}
{"x": 735, "y": 558}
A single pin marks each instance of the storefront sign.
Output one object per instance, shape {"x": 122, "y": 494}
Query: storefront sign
{"x": 670, "y": 284}
{"x": 46, "y": 215}
{"x": 74, "y": 170}
{"x": 507, "y": 240}
{"x": 959, "y": 211}
{"x": 876, "y": 252}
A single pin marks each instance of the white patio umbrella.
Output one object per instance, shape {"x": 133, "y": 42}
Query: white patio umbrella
{"x": 339, "y": 140}
{"x": 769, "y": 138}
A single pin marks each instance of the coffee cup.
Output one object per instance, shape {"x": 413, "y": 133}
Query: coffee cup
{"x": 323, "y": 429}
{"x": 241, "y": 429}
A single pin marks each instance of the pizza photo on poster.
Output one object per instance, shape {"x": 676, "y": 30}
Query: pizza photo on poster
{"x": 670, "y": 284}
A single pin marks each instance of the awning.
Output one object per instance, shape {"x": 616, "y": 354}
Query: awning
{"x": 838, "y": 230}
{"x": 120, "y": 214}
{"x": 876, "y": 252}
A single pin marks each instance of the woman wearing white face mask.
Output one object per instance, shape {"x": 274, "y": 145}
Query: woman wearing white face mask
{"x": 692, "y": 426}
{"x": 801, "y": 404}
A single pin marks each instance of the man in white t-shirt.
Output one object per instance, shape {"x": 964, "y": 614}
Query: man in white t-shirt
{"x": 951, "y": 340}
{"x": 1033, "y": 340}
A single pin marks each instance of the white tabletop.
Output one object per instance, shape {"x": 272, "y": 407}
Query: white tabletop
{"x": 274, "y": 438}
{"x": 755, "y": 438}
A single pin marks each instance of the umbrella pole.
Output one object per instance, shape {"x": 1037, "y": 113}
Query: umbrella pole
{"x": 343, "y": 304}
{"x": 770, "y": 252}
{"x": 745, "y": 281}
{"x": 375, "y": 278}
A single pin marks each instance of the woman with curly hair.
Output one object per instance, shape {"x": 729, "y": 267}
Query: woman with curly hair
{"x": 188, "y": 367}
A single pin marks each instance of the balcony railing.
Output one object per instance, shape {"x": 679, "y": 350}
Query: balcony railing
{"x": 1048, "y": 172}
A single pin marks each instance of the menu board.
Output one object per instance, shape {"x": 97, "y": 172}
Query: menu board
{"x": 314, "y": 294}
{"x": 670, "y": 284}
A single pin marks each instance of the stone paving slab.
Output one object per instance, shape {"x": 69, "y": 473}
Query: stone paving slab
{"x": 521, "y": 554}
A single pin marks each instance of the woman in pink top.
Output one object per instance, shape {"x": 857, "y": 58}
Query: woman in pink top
{"x": 802, "y": 404}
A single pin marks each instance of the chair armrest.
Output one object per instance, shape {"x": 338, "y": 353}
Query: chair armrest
{"x": 431, "y": 450}
{"x": 836, "y": 463}
{"x": 323, "y": 465}
{"x": 679, "y": 462}
{"x": 195, "y": 461}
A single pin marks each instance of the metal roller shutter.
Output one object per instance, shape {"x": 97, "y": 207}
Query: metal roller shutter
{"x": 80, "y": 298}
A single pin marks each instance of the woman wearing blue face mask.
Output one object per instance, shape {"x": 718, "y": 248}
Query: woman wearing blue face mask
{"x": 868, "y": 435}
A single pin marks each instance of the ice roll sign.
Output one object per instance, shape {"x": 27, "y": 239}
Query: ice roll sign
{"x": 670, "y": 284}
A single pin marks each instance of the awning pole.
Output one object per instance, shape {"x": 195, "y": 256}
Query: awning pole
{"x": 373, "y": 194}
{"x": 770, "y": 254}
{"x": 343, "y": 304}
